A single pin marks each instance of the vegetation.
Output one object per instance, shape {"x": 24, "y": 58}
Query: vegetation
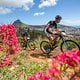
{"x": 19, "y": 70}
{"x": 66, "y": 66}
{"x": 22, "y": 66}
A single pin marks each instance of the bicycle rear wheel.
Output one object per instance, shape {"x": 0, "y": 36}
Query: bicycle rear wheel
{"x": 31, "y": 45}
{"x": 45, "y": 48}
{"x": 69, "y": 45}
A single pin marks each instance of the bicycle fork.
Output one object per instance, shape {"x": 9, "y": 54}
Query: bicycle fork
{"x": 66, "y": 45}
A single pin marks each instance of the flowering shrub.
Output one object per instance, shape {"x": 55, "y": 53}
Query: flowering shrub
{"x": 66, "y": 66}
{"x": 9, "y": 40}
{"x": 6, "y": 62}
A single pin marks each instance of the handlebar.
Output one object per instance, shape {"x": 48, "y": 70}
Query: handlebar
{"x": 63, "y": 33}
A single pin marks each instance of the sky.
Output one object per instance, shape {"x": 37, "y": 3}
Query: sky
{"x": 39, "y": 12}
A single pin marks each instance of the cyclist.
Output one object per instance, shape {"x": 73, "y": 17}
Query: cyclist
{"x": 24, "y": 40}
{"x": 51, "y": 29}
{"x": 28, "y": 37}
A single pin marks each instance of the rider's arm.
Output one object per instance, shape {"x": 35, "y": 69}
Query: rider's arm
{"x": 51, "y": 31}
{"x": 50, "y": 26}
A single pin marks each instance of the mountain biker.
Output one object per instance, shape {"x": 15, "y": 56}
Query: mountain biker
{"x": 25, "y": 38}
{"x": 51, "y": 29}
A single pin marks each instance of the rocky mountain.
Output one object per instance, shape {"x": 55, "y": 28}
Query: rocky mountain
{"x": 22, "y": 27}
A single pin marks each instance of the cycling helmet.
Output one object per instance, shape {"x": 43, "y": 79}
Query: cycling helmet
{"x": 58, "y": 17}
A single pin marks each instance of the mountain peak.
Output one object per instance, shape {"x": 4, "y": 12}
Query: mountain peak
{"x": 18, "y": 21}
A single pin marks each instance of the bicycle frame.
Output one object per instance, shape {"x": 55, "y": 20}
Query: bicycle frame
{"x": 61, "y": 37}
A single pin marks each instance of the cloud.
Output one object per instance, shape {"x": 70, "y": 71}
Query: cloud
{"x": 4, "y": 10}
{"x": 47, "y": 3}
{"x": 71, "y": 22}
{"x": 9, "y": 4}
{"x": 39, "y": 13}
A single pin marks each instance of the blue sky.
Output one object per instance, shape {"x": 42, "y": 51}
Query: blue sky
{"x": 38, "y": 12}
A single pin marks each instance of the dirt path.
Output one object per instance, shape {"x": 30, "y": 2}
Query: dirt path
{"x": 38, "y": 55}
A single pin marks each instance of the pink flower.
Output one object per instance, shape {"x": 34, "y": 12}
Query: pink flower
{"x": 39, "y": 76}
{"x": 47, "y": 77}
{"x": 53, "y": 71}
{"x": 31, "y": 77}
{"x": 9, "y": 33}
{"x": 78, "y": 53}
{"x": 1, "y": 48}
{"x": 62, "y": 57}
{"x": 6, "y": 62}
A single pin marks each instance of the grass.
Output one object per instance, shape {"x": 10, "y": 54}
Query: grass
{"x": 21, "y": 68}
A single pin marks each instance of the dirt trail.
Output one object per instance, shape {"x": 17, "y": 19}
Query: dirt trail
{"x": 39, "y": 56}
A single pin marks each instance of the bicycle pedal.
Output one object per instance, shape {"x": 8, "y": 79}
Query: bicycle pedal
{"x": 48, "y": 51}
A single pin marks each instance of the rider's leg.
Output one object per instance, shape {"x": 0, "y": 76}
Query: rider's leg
{"x": 53, "y": 38}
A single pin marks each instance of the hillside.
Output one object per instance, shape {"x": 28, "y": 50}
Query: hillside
{"x": 22, "y": 27}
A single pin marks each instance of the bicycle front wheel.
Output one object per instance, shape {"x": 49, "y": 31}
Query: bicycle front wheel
{"x": 31, "y": 45}
{"x": 45, "y": 48}
{"x": 69, "y": 45}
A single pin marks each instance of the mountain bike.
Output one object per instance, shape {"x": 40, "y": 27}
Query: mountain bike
{"x": 65, "y": 45}
{"x": 28, "y": 43}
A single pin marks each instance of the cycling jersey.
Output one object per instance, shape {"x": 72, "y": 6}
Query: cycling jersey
{"x": 51, "y": 24}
